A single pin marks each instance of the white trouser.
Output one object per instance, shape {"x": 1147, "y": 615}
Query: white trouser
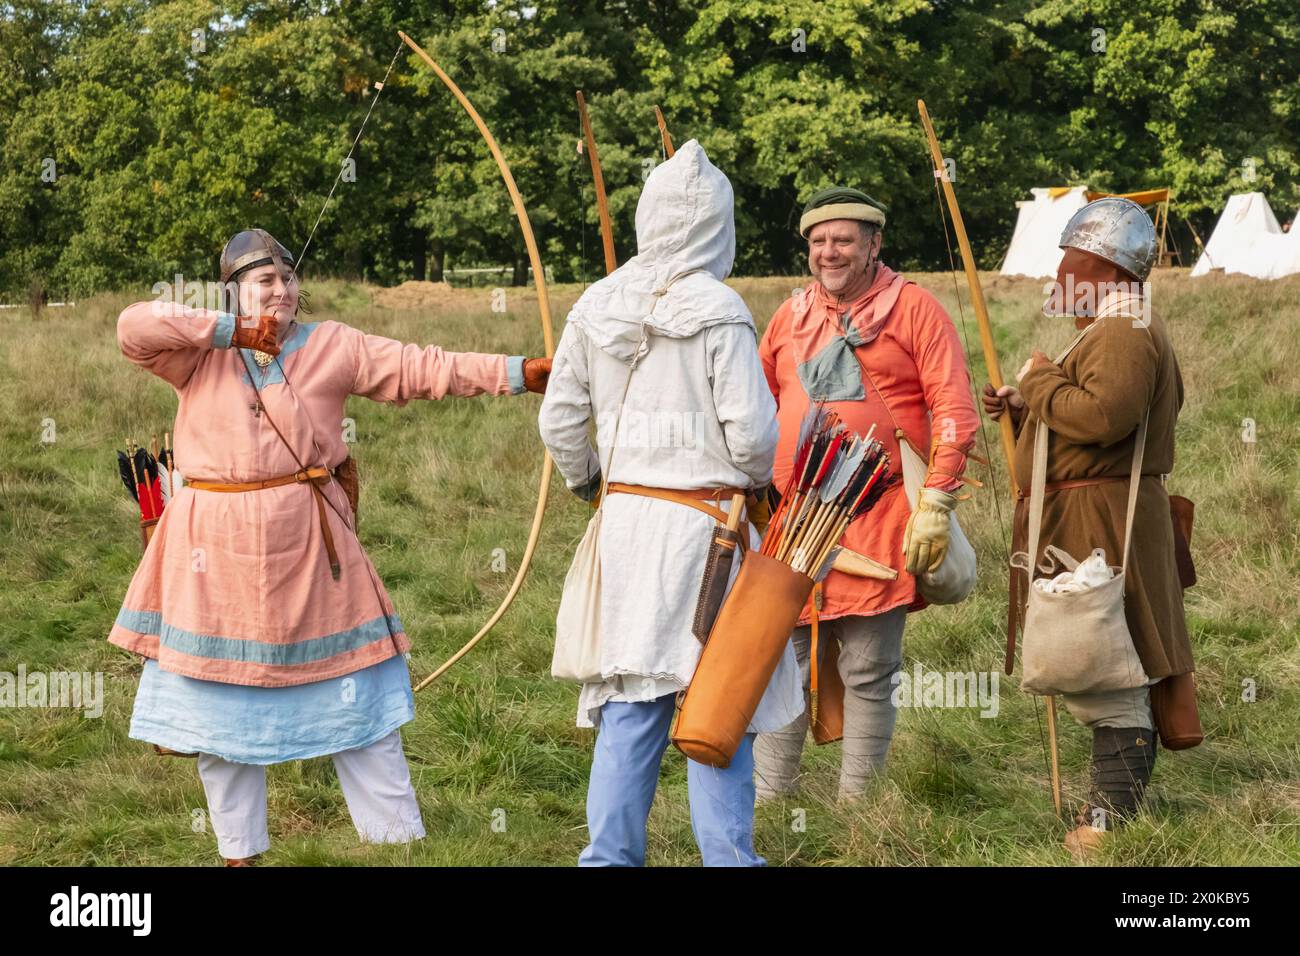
{"x": 376, "y": 784}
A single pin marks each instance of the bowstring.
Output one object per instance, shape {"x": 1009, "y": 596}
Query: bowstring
{"x": 983, "y": 429}
{"x": 992, "y": 472}
{"x": 343, "y": 163}
{"x": 371, "y": 573}
{"x": 337, "y": 179}
{"x": 284, "y": 377}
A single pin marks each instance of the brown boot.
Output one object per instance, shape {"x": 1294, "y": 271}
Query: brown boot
{"x": 244, "y": 861}
{"x": 1085, "y": 839}
{"x": 1082, "y": 842}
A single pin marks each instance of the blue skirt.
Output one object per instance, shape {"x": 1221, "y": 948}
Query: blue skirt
{"x": 265, "y": 725}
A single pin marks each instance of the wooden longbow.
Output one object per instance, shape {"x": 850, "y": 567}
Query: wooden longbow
{"x": 548, "y": 336}
{"x": 995, "y": 379}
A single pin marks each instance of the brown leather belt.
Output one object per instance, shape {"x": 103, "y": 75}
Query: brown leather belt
{"x": 1023, "y": 493}
{"x": 693, "y": 498}
{"x": 316, "y": 477}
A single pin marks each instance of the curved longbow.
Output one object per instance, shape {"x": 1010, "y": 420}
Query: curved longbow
{"x": 548, "y": 336}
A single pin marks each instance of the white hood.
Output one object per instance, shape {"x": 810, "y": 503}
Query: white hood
{"x": 686, "y": 242}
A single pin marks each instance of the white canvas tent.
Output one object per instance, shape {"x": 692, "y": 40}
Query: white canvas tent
{"x": 1035, "y": 245}
{"x": 1033, "y": 250}
{"x": 1247, "y": 240}
{"x": 1266, "y": 256}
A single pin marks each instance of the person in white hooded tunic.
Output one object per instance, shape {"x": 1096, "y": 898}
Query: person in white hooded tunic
{"x": 698, "y": 415}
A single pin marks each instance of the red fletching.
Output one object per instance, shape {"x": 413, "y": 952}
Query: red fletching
{"x": 829, "y": 458}
{"x": 858, "y": 506}
{"x": 801, "y": 456}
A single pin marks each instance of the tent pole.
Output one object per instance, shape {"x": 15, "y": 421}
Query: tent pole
{"x": 1164, "y": 226}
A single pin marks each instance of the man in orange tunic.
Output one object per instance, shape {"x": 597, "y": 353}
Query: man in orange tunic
{"x": 880, "y": 351}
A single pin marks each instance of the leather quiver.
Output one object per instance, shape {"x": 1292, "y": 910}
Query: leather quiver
{"x": 350, "y": 481}
{"x": 717, "y": 573}
{"x": 147, "y": 526}
{"x": 739, "y": 659}
{"x": 168, "y": 752}
{"x": 1173, "y": 705}
{"x": 1181, "y": 512}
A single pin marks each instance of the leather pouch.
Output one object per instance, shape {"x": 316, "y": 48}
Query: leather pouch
{"x": 717, "y": 574}
{"x": 1173, "y": 705}
{"x": 349, "y": 479}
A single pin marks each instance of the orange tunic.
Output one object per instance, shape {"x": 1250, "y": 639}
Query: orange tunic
{"x": 917, "y": 363}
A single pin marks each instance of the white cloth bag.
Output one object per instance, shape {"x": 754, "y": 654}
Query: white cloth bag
{"x": 576, "y": 658}
{"x": 954, "y": 579}
{"x": 577, "y": 624}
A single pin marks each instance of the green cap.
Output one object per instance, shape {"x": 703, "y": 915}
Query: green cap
{"x": 840, "y": 202}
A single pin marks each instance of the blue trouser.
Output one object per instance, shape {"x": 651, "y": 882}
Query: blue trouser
{"x": 624, "y": 772}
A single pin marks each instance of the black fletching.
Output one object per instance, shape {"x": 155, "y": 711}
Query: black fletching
{"x": 147, "y": 466}
{"x": 886, "y": 482}
{"x": 124, "y": 470}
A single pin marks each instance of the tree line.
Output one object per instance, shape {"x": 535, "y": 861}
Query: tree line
{"x": 137, "y": 137}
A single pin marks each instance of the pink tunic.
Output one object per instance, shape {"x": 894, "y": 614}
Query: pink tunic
{"x": 236, "y": 587}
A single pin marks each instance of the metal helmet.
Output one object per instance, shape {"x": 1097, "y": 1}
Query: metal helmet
{"x": 1118, "y": 230}
{"x": 249, "y": 249}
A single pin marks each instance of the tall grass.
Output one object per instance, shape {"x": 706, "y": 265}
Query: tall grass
{"x": 498, "y": 764}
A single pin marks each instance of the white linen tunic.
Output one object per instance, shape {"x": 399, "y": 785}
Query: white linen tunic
{"x": 698, "y": 414}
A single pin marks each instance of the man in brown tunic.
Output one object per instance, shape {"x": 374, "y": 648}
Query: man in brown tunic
{"x": 1093, "y": 403}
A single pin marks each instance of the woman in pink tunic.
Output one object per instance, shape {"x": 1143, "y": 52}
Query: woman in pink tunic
{"x": 267, "y": 633}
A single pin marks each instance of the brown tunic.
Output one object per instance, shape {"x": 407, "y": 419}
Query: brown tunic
{"x": 1093, "y": 403}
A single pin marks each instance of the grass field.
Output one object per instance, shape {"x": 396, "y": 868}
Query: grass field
{"x": 444, "y": 484}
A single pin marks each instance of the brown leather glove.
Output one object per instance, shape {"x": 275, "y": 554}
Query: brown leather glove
{"x": 759, "y": 510}
{"x": 256, "y": 333}
{"x": 536, "y": 373}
